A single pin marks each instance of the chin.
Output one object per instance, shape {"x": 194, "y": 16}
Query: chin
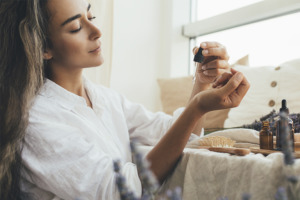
{"x": 97, "y": 62}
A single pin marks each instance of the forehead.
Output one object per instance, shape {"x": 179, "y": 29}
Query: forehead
{"x": 61, "y": 10}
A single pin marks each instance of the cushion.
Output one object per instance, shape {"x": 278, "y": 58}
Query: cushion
{"x": 175, "y": 93}
{"x": 269, "y": 85}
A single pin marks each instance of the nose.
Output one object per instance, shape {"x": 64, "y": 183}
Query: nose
{"x": 95, "y": 32}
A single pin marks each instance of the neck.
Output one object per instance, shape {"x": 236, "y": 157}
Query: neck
{"x": 68, "y": 78}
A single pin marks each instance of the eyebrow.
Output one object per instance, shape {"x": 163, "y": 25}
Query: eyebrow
{"x": 74, "y": 17}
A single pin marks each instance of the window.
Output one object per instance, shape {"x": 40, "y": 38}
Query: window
{"x": 265, "y": 30}
{"x": 267, "y": 42}
{"x": 206, "y": 9}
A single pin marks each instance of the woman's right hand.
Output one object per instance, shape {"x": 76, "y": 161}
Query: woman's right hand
{"x": 227, "y": 92}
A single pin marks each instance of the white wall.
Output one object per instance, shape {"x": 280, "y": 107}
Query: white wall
{"x": 147, "y": 44}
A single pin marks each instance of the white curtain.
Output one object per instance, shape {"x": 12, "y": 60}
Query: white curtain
{"x": 103, "y": 10}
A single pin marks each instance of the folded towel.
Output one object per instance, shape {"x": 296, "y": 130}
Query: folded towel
{"x": 244, "y": 138}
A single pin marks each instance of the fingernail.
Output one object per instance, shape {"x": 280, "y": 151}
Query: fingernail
{"x": 205, "y": 72}
{"x": 204, "y": 67}
{"x": 203, "y": 44}
{"x": 195, "y": 50}
{"x": 204, "y": 52}
{"x": 239, "y": 76}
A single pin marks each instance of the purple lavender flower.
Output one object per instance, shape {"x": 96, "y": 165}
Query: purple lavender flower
{"x": 125, "y": 193}
{"x": 148, "y": 179}
{"x": 174, "y": 195}
{"x": 286, "y": 143}
{"x": 281, "y": 194}
{"x": 246, "y": 196}
{"x": 223, "y": 198}
{"x": 293, "y": 179}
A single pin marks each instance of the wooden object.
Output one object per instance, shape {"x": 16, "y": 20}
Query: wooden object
{"x": 267, "y": 152}
{"x": 231, "y": 150}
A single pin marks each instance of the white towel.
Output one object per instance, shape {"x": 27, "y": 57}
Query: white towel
{"x": 244, "y": 138}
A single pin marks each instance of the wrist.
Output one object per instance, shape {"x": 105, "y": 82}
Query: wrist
{"x": 201, "y": 85}
{"x": 195, "y": 105}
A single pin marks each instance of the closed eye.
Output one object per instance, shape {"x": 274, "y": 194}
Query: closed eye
{"x": 77, "y": 30}
{"x": 91, "y": 19}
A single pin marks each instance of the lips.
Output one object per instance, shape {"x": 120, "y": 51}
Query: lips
{"x": 95, "y": 50}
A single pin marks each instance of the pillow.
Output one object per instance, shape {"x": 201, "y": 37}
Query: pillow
{"x": 269, "y": 85}
{"x": 175, "y": 93}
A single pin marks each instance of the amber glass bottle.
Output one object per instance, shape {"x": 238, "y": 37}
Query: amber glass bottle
{"x": 266, "y": 137}
{"x": 279, "y": 135}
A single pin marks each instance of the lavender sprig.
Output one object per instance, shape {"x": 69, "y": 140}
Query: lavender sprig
{"x": 281, "y": 194}
{"x": 293, "y": 179}
{"x": 223, "y": 198}
{"x": 257, "y": 124}
{"x": 125, "y": 193}
{"x": 286, "y": 142}
{"x": 174, "y": 195}
{"x": 246, "y": 197}
{"x": 148, "y": 179}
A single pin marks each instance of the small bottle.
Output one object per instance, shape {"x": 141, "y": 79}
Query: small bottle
{"x": 279, "y": 135}
{"x": 266, "y": 137}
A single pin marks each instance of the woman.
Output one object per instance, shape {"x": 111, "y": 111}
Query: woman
{"x": 63, "y": 130}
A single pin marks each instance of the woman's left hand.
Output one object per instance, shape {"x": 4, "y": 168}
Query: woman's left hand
{"x": 214, "y": 64}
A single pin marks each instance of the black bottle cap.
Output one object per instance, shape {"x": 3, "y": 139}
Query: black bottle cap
{"x": 199, "y": 56}
{"x": 283, "y": 107}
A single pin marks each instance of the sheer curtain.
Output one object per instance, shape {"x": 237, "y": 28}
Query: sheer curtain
{"x": 103, "y": 10}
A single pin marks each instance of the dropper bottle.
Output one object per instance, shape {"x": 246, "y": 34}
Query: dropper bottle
{"x": 266, "y": 137}
{"x": 279, "y": 135}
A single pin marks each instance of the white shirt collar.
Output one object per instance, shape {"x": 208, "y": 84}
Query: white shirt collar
{"x": 64, "y": 97}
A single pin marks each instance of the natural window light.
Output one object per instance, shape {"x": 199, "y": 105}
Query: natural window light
{"x": 206, "y": 9}
{"x": 269, "y": 42}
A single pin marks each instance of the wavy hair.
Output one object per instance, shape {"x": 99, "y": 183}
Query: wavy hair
{"x": 23, "y": 39}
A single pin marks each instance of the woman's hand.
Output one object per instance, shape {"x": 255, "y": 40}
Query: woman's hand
{"x": 227, "y": 92}
{"x": 214, "y": 64}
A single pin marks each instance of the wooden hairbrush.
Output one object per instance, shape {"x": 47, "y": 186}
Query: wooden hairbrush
{"x": 221, "y": 144}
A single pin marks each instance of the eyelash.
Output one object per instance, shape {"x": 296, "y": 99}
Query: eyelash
{"x": 77, "y": 30}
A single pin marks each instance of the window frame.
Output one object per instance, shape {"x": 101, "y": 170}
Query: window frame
{"x": 263, "y": 10}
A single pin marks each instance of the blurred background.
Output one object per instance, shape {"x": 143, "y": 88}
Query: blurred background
{"x": 146, "y": 40}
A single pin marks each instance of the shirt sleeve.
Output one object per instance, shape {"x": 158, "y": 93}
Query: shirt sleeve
{"x": 143, "y": 125}
{"x": 61, "y": 160}
{"x": 148, "y": 127}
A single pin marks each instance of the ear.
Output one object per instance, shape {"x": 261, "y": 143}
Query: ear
{"x": 47, "y": 54}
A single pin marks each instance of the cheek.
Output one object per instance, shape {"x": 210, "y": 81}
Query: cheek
{"x": 74, "y": 51}
{"x": 68, "y": 48}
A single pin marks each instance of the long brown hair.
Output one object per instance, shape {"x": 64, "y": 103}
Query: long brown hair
{"x": 23, "y": 38}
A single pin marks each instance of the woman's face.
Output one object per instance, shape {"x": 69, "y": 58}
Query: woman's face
{"x": 75, "y": 40}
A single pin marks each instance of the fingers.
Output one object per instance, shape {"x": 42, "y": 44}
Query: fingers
{"x": 213, "y": 72}
{"x": 222, "y": 80}
{"x": 195, "y": 50}
{"x": 213, "y": 44}
{"x": 221, "y": 64}
{"x": 233, "y": 84}
{"x": 219, "y": 52}
{"x": 214, "y": 49}
{"x": 243, "y": 87}
{"x": 233, "y": 71}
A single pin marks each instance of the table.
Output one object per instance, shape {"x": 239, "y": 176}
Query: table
{"x": 209, "y": 175}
